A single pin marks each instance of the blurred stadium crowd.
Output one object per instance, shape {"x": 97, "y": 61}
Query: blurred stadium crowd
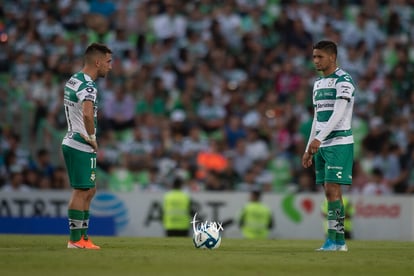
{"x": 218, "y": 92}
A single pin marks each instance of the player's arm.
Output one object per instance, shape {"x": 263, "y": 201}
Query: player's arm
{"x": 307, "y": 156}
{"x": 312, "y": 133}
{"x": 88, "y": 119}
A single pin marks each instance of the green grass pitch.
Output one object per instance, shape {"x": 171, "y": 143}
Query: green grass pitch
{"x": 119, "y": 256}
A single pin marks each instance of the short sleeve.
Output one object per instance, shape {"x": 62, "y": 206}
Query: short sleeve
{"x": 344, "y": 88}
{"x": 89, "y": 93}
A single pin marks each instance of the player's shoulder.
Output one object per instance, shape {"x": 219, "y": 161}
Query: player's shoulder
{"x": 86, "y": 80}
{"x": 80, "y": 81}
{"x": 343, "y": 76}
{"x": 74, "y": 82}
{"x": 317, "y": 80}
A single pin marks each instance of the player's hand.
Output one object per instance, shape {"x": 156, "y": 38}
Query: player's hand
{"x": 307, "y": 160}
{"x": 314, "y": 146}
{"x": 93, "y": 143}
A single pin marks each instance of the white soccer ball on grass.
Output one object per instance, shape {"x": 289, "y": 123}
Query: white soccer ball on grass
{"x": 207, "y": 238}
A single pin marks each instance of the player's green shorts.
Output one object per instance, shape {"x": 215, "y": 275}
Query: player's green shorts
{"x": 81, "y": 167}
{"x": 334, "y": 164}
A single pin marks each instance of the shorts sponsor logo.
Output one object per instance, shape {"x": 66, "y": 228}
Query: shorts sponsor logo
{"x": 334, "y": 168}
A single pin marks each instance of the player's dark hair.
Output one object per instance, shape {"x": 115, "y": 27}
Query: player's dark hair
{"x": 96, "y": 48}
{"x": 327, "y": 46}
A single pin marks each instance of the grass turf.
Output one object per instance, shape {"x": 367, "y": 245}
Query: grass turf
{"x": 119, "y": 256}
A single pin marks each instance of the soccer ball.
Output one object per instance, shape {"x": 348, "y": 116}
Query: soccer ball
{"x": 209, "y": 238}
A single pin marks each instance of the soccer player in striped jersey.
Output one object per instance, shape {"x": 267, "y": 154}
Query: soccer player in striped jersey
{"x": 79, "y": 146}
{"x": 331, "y": 144}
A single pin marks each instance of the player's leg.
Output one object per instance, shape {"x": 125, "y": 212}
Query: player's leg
{"x": 91, "y": 193}
{"x": 76, "y": 217}
{"x": 338, "y": 173}
{"x": 340, "y": 231}
{"x": 333, "y": 195}
{"x": 320, "y": 170}
{"x": 88, "y": 176}
{"x": 81, "y": 167}
{"x": 85, "y": 225}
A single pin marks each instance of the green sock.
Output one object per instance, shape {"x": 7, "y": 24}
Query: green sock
{"x": 75, "y": 224}
{"x": 85, "y": 224}
{"x": 333, "y": 214}
{"x": 340, "y": 231}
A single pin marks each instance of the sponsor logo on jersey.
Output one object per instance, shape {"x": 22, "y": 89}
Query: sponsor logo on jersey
{"x": 90, "y": 97}
{"x": 90, "y": 89}
{"x": 325, "y": 105}
{"x": 73, "y": 84}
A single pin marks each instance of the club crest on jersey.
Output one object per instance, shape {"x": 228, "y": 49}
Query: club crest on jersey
{"x": 93, "y": 176}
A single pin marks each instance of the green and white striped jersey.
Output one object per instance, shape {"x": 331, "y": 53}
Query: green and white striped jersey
{"x": 80, "y": 87}
{"x": 326, "y": 91}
